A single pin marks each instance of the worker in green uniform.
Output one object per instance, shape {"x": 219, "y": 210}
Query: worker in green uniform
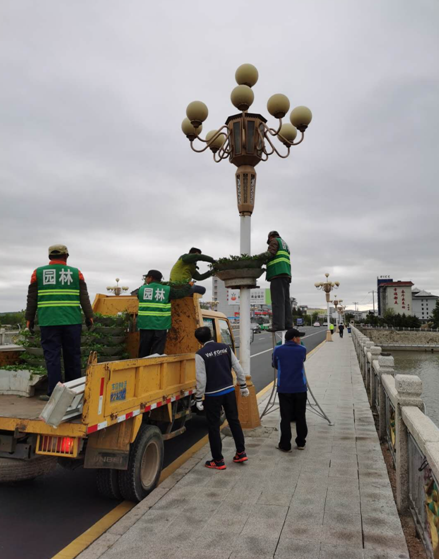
{"x": 279, "y": 276}
{"x": 58, "y": 292}
{"x": 186, "y": 269}
{"x": 154, "y": 318}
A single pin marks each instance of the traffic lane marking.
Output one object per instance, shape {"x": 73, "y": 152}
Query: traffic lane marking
{"x": 271, "y": 349}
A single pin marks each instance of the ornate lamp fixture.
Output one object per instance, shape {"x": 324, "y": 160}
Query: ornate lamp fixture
{"x": 245, "y": 139}
{"x": 327, "y": 287}
{"x": 117, "y": 289}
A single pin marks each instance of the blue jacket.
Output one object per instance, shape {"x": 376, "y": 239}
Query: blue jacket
{"x": 288, "y": 359}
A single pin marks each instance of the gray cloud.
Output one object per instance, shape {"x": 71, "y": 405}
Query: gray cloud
{"x": 91, "y": 152}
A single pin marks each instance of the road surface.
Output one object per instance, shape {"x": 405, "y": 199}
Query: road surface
{"x": 42, "y": 517}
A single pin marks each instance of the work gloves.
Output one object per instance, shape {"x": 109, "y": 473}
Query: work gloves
{"x": 89, "y": 323}
{"x": 244, "y": 390}
{"x": 30, "y": 325}
{"x": 199, "y": 404}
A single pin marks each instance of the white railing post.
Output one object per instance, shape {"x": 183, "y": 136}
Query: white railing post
{"x": 373, "y": 356}
{"x": 384, "y": 366}
{"x": 409, "y": 389}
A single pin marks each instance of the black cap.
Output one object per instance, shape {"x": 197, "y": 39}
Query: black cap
{"x": 293, "y": 333}
{"x": 155, "y": 274}
{"x": 272, "y": 234}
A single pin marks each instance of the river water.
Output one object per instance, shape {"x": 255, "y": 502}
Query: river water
{"x": 426, "y": 367}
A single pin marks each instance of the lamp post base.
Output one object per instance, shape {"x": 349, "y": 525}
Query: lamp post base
{"x": 328, "y": 336}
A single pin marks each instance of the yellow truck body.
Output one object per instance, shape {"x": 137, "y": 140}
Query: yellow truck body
{"x": 119, "y": 397}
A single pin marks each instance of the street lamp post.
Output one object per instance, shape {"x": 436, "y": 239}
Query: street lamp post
{"x": 327, "y": 287}
{"x": 335, "y": 303}
{"x": 246, "y": 140}
{"x": 117, "y": 289}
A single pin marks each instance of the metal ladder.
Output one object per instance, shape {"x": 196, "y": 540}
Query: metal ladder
{"x": 312, "y": 404}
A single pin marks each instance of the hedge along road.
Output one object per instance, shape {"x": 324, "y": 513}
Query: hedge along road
{"x": 40, "y": 518}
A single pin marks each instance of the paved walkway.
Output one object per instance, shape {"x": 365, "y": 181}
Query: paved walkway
{"x": 331, "y": 501}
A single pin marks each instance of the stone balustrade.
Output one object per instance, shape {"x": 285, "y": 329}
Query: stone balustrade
{"x": 411, "y": 436}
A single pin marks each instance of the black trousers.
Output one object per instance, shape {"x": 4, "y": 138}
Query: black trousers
{"x": 292, "y": 406}
{"x": 68, "y": 339}
{"x": 212, "y": 406}
{"x": 281, "y": 304}
{"x": 152, "y": 341}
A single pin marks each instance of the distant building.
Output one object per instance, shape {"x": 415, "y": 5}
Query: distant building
{"x": 228, "y": 299}
{"x": 395, "y": 295}
{"x": 424, "y": 303}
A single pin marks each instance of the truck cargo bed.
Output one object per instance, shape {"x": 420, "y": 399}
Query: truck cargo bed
{"x": 20, "y": 407}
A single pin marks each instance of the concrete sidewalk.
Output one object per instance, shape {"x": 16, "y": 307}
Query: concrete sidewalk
{"x": 332, "y": 500}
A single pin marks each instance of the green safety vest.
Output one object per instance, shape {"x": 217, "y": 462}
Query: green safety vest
{"x": 154, "y": 307}
{"x": 58, "y": 295}
{"x": 281, "y": 263}
{"x": 182, "y": 272}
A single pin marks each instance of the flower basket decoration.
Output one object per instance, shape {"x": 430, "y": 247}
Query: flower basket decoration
{"x": 239, "y": 271}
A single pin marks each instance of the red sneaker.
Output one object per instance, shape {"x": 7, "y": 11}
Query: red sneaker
{"x": 240, "y": 457}
{"x": 214, "y": 465}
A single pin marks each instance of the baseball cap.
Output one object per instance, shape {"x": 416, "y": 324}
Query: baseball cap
{"x": 272, "y": 234}
{"x": 58, "y": 250}
{"x": 293, "y": 333}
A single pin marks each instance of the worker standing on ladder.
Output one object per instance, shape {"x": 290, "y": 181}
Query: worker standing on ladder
{"x": 58, "y": 292}
{"x": 279, "y": 276}
{"x": 292, "y": 388}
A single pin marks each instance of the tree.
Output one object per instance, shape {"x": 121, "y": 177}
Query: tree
{"x": 435, "y": 315}
{"x": 349, "y": 317}
{"x": 315, "y": 316}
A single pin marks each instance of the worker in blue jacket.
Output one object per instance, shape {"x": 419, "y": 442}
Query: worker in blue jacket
{"x": 289, "y": 360}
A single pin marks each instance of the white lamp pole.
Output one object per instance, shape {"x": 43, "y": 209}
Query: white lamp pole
{"x": 327, "y": 287}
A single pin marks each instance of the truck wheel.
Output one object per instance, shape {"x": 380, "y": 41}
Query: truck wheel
{"x": 108, "y": 484}
{"x": 145, "y": 464}
{"x": 22, "y": 470}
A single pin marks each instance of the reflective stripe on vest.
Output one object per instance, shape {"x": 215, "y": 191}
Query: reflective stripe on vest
{"x": 281, "y": 263}
{"x": 58, "y": 295}
{"x": 154, "y": 307}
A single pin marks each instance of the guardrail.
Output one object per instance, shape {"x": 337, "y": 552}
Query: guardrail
{"x": 8, "y": 336}
{"x": 400, "y": 328}
{"x": 411, "y": 436}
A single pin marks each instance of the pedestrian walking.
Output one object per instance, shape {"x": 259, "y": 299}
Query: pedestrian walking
{"x": 279, "y": 276}
{"x": 155, "y": 315}
{"x": 289, "y": 360}
{"x": 58, "y": 292}
{"x": 341, "y": 329}
{"x": 214, "y": 362}
{"x": 331, "y": 328}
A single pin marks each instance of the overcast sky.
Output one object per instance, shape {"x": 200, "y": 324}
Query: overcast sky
{"x": 92, "y": 155}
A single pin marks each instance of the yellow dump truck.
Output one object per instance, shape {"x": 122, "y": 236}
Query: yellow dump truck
{"x": 128, "y": 409}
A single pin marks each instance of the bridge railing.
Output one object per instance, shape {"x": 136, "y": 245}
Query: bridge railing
{"x": 411, "y": 436}
{"x": 8, "y": 336}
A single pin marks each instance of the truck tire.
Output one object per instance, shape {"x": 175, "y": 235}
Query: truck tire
{"x": 108, "y": 484}
{"x": 21, "y": 470}
{"x": 145, "y": 464}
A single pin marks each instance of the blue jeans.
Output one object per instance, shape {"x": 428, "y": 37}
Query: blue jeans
{"x": 67, "y": 338}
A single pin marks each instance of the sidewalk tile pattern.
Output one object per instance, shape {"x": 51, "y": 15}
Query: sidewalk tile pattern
{"x": 331, "y": 501}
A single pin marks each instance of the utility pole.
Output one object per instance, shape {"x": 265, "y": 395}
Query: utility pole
{"x": 355, "y": 303}
{"x": 373, "y": 299}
